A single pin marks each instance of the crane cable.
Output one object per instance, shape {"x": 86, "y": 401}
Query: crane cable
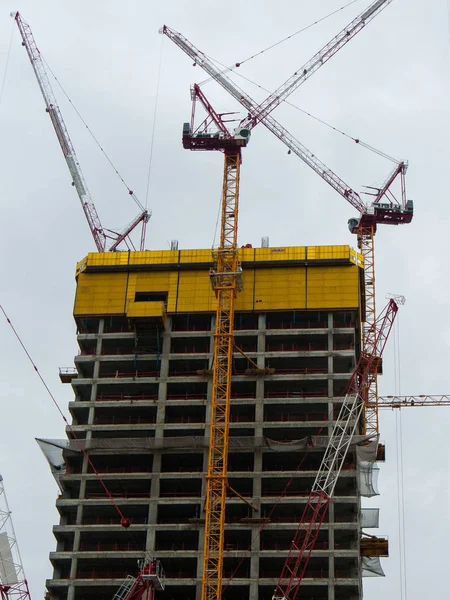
{"x": 152, "y": 139}
{"x": 448, "y": 19}
{"x": 116, "y": 171}
{"x": 400, "y": 469}
{"x": 8, "y": 56}
{"x": 241, "y": 62}
{"x": 336, "y": 129}
{"x": 124, "y": 521}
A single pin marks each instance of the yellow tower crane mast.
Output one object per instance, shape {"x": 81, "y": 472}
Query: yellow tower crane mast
{"x": 226, "y": 280}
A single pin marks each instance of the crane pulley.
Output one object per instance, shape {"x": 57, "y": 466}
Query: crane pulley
{"x": 98, "y": 232}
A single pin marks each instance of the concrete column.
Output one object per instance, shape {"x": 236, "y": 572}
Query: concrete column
{"x": 259, "y": 400}
{"x": 71, "y": 588}
{"x": 153, "y": 504}
{"x": 330, "y": 370}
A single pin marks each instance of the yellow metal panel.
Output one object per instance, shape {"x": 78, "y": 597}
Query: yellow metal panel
{"x": 328, "y": 252}
{"x": 193, "y": 256}
{"x": 100, "y": 293}
{"x": 278, "y": 289}
{"x": 147, "y": 309}
{"x": 245, "y": 299}
{"x": 281, "y": 253}
{"x": 246, "y": 254}
{"x": 267, "y": 288}
{"x": 333, "y": 287}
{"x": 195, "y": 292}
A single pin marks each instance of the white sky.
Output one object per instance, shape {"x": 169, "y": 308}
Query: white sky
{"x": 388, "y": 87}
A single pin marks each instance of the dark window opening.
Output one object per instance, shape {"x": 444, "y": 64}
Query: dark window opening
{"x": 150, "y": 297}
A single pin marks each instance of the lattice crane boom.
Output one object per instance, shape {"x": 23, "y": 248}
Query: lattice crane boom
{"x": 13, "y": 583}
{"x": 411, "y": 401}
{"x": 339, "y": 442}
{"x": 99, "y": 234}
{"x": 62, "y": 133}
{"x": 314, "y": 63}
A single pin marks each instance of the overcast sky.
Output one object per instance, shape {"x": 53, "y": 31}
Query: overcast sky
{"x": 389, "y": 87}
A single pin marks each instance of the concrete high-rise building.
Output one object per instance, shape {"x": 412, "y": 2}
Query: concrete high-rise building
{"x": 145, "y": 325}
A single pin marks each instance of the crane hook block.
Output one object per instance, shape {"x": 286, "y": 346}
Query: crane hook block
{"x": 125, "y": 522}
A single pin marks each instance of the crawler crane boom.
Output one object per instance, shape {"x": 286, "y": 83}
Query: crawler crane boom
{"x": 339, "y": 442}
{"x": 99, "y": 234}
{"x": 13, "y": 583}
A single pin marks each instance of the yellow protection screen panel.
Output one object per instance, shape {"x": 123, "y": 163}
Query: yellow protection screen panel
{"x": 300, "y": 278}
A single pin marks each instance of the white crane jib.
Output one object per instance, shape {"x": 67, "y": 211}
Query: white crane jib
{"x": 99, "y": 234}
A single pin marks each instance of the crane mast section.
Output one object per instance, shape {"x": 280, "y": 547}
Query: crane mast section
{"x": 278, "y": 130}
{"x": 317, "y": 61}
{"x": 225, "y": 281}
{"x": 62, "y": 133}
{"x": 332, "y": 462}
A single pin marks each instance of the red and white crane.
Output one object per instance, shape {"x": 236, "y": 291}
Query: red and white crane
{"x": 346, "y": 426}
{"x": 99, "y": 233}
{"x": 13, "y": 583}
{"x": 150, "y": 579}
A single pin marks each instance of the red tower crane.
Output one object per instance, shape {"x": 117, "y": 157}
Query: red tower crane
{"x": 13, "y": 583}
{"x": 99, "y": 233}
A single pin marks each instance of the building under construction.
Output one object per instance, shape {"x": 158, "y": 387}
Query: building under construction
{"x": 142, "y": 385}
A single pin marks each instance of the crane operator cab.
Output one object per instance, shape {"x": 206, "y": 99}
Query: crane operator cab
{"x": 387, "y": 213}
{"x": 242, "y": 134}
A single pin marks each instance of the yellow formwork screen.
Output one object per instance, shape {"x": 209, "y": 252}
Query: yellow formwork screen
{"x": 313, "y": 277}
